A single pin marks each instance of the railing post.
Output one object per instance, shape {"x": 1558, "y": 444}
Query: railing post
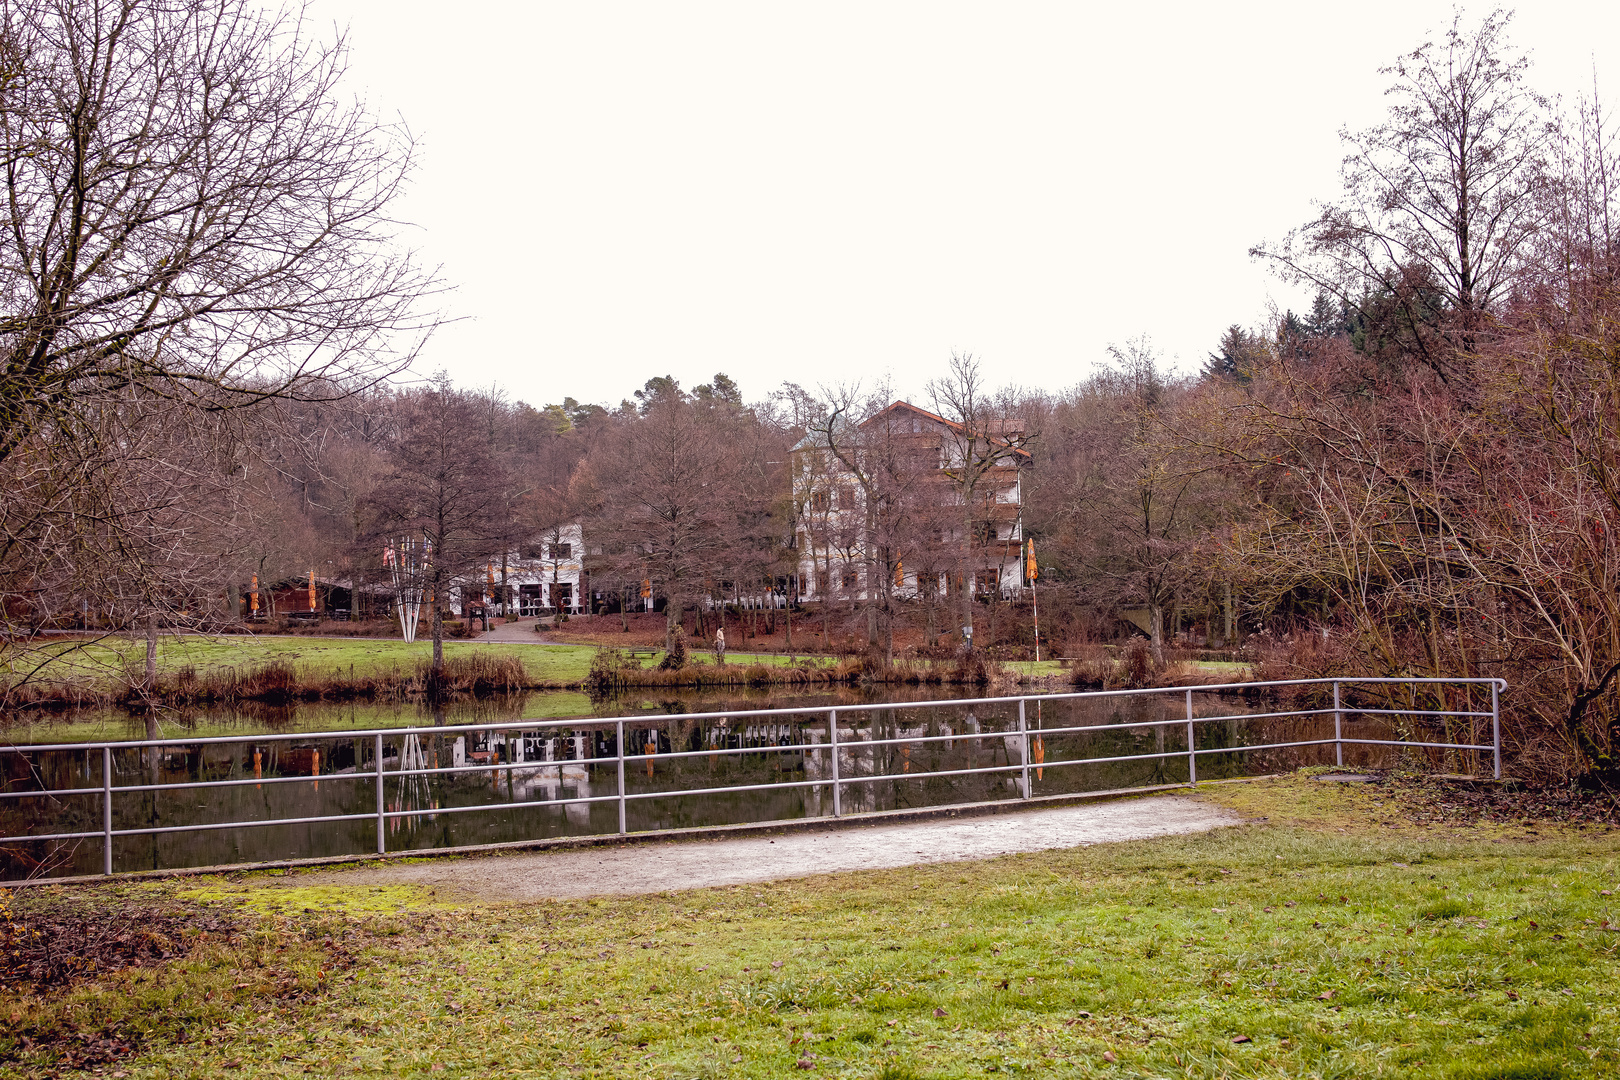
{"x": 106, "y": 810}
{"x": 620, "y": 744}
{"x": 1192, "y": 745}
{"x": 832, "y": 724}
{"x": 382, "y": 821}
{"x": 1338, "y": 729}
{"x": 1023, "y": 734}
{"x": 1496, "y": 731}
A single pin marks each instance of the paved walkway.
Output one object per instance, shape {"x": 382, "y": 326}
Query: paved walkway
{"x": 522, "y": 631}
{"x": 695, "y": 864}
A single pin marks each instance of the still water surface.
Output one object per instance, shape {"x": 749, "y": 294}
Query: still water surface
{"x": 524, "y": 785}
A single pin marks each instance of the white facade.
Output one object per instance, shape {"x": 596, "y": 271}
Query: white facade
{"x": 835, "y": 536}
{"x": 546, "y": 574}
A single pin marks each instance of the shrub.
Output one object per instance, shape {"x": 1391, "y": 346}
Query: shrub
{"x": 1137, "y": 663}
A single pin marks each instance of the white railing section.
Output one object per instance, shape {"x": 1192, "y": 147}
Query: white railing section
{"x": 835, "y": 744}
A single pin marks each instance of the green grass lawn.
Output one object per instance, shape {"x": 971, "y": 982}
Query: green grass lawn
{"x": 104, "y": 662}
{"x": 1322, "y": 942}
{"x": 313, "y": 657}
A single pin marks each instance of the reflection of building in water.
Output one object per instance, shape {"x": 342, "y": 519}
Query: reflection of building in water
{"x": 562, "y": 767}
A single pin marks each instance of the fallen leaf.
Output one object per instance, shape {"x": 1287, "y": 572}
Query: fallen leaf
{"x": 804, "y": 1063}
{"x": 1324, "y": 995}
{"x": 938, "y": 1012}
{"x": 1241, "y": 1039}
{"x": 776, "y": 963}
{"x": 1108, "y": 1055}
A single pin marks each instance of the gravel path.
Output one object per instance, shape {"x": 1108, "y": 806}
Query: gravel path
{"x": 695, "y": 864}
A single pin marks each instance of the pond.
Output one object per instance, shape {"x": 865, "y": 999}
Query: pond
{"x": 534, "y": 783}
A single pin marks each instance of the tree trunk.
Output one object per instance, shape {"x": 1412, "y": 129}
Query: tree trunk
{"x": 151, "y": 653}
{"x": 1156, "y": 621}
{"x": 672, "y": 617}
{"x": 436, "y": 672}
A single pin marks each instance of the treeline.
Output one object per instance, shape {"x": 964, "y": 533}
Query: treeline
{"x": 1418, "y": 475}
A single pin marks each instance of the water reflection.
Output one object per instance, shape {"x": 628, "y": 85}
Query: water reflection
{"x": 458, "y": 788}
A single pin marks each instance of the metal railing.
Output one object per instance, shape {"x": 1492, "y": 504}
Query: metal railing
{"x": 837, "y": 746}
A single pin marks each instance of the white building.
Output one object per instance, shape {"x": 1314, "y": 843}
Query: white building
{"x": 546, "y": 574}
{"x": 935, "y": 544}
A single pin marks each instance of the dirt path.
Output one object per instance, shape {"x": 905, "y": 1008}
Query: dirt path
{"x": 695, "y": 864}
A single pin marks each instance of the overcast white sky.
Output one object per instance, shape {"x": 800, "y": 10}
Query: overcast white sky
{"x": 848, "y": 191}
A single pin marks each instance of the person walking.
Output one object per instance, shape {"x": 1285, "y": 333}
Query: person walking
{"x": 720, "y": 646}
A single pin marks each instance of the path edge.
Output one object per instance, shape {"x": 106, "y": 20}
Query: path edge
{"x": 653, "y": 836}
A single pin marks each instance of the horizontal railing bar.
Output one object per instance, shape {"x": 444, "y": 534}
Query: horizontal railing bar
{"x": 734, "y": 751}
{"x": 1409, "y": 712}
{"x": 54, "y": 791}
{"x": 732, "y": 714}
{"x": 781, "y": 786}
{"x": 1426, "y": 745}
{"x": 1263, "y": 746}
{"x": 51, "y": 836}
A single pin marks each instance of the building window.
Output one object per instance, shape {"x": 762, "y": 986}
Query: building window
{"x": 851, "y": 577}
{"x": 562, "y": 551}
{"x": 532, "y": 551}
{"x": 820, "y": 502}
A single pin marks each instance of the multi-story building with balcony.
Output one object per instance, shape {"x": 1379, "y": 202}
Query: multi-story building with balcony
{"x": 931, "y": 505}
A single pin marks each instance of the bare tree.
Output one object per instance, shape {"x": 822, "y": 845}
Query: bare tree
{"x": 655, "y": 499}
{"x": 190, "y": 209}
{"x": 195, "y": 222}
{"x": 892, "y": 500}
{"x": 1442, "y": 201}
{"x": 983, "y": 444}
{"x": 445, "y": 486}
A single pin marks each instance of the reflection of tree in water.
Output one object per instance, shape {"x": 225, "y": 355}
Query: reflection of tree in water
{"x": 412, "y": 792}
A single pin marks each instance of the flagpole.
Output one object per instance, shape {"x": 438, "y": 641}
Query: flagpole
{"x": 1035, "y": 597}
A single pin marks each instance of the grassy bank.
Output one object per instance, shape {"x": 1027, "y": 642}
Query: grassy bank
{"x": 1327, "y": 940}
{"x": 227, "y": 668}
{"x": 107, "y": 664}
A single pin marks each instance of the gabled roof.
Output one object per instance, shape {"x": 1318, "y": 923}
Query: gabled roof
{"x": 935, "y": 418}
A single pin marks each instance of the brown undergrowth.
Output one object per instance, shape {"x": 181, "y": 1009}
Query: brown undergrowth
{"x": 281, "y": 683}
{"x": 93, "y": 977}
{"x": 613, "y": 669}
